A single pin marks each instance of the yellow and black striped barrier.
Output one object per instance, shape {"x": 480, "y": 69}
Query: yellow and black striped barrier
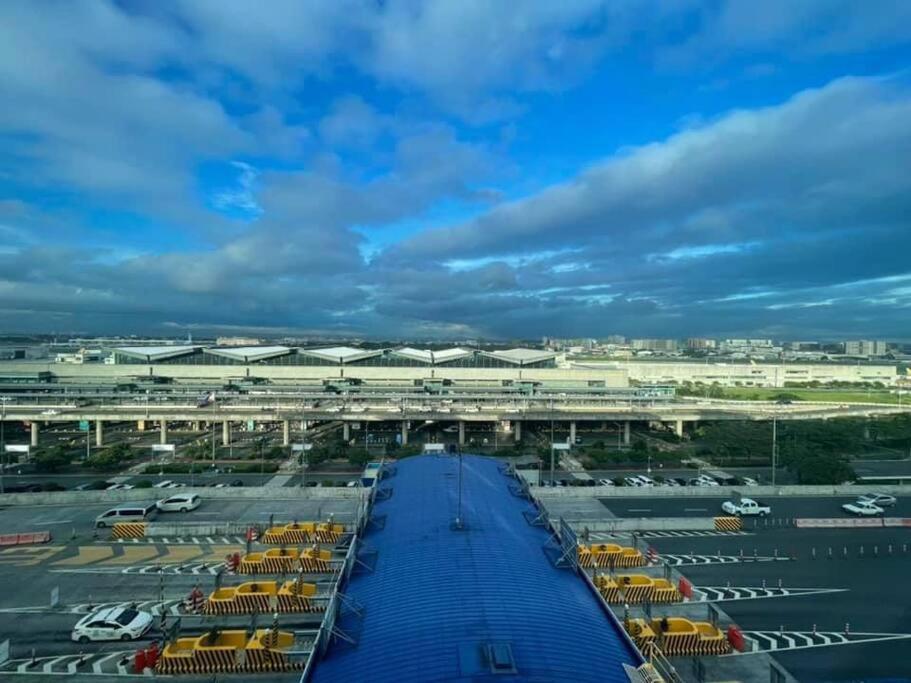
{"x": 264, "y": 597}
{"x": 272, "y": 561}
{"x": 678, "y": 637}
{"x": 609, "y": 555}
{"x": 228, "y": 652}
{"x": 642, "y": 634}
{"x": 315, "y": 561}
{"x": 665, "y": 592}
{"x": 299, "y": 533}
{"x": 128, "y": 530}
{"x": 728, "y": 524}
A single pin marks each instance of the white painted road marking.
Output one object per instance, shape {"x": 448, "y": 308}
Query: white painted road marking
{"x": 639, "y": 510}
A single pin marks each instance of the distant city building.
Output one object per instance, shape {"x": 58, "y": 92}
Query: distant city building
{"x": 238, "y": 341}
{"x": 615, "y": 339}
{"x": 866, "y": 348}
{"x": 655, "y": 345}
{"x": 700, "y": 344}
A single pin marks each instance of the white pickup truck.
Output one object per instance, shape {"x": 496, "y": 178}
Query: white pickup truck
{"x": 747, "y": 507}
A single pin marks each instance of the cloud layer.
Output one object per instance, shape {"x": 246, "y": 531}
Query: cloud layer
{"x": 349, "y": 168}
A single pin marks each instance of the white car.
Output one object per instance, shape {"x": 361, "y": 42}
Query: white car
{"x": 863, "y": 509}
{"x": 749, "y": 481}
{"x": 119, "y": 487}
{"x": 183, "y": 502}
{"x": 632, "y": 481}
{"x": 352, "y": 484}
{"x": 50, "y": 411}
{"x": 706, "y": 480}
{"x": 883, "y": 500}
{"x": 746, "y": 507}
{"x": 113, "y": 623}
{"x": 166, "y": 484}
{"x": 605, "y": 482}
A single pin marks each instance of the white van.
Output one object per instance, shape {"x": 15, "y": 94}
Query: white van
{"x": 126, "y": 513}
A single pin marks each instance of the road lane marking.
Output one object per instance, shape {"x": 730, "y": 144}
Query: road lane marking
{"x": 55, "y": 521}
{"x": 639, "y": 510}
{"x": 695, "y": 509}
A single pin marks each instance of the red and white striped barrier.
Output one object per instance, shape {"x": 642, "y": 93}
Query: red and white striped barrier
{"x": 25, "y": 539}
{"x": 838, "y": 523}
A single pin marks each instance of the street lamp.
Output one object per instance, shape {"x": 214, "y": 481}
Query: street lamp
{"x": 3, "y": 401}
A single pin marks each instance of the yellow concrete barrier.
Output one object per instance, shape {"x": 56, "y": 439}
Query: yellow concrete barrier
{"x": 298, "y": 533}
{"x": 263, "y": 597}
{"x": 609, "y": 555}
{"x": 665, "y": 592}
{"x": 128, "y": 530}
{"x": 643, "y": 635}
{"x": 272, "y": 561}
{"x": 228, "y": 652}
{"x": 315, "y": 561}
{"x": 728, "y": 524}
{"x": 681, "y": 637}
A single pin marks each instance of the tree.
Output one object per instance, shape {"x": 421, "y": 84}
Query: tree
{"x": 51, "y": 460}
{"x": 819, "y": 469}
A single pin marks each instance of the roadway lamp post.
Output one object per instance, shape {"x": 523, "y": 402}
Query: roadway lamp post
{"x": 774, "y": 446}
{"x": 3, "y": 401}
{"x": 552, "y": 452}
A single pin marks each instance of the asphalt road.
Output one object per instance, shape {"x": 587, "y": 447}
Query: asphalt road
{"x": 877, "y": 599}
{"x": 782, "y": 507}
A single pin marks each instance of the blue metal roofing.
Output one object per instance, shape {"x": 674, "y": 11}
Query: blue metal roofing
{"x": 438, "y": 597}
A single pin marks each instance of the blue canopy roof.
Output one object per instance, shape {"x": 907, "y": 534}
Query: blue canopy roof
{"x": 438, "y": 599}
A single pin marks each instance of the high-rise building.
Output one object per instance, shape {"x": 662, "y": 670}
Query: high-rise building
{"x": 700, "y": 344}
{"x": 615, "y": 339}
{"x": 659, "y": 345}
{"x": 866, "y": 347}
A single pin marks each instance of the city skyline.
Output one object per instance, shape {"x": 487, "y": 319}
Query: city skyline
{"x": 457, "y": 170}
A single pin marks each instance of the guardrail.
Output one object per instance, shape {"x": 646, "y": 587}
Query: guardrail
{"x": 848, "y": 490}
{"x": 147, "y": 495}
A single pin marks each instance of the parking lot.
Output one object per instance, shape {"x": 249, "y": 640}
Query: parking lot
{"x": 88, "y": 569}
{"x": 866, "y": 568}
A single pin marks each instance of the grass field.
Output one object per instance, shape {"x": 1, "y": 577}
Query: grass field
{"x": 836, "y": 395}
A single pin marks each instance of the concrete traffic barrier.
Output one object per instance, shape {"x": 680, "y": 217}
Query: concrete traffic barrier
{"x": 25, "y": 539}
{"x": 728, "y": 524}
{"x": 128, "y": 530}
{"x": 228, "y": 652}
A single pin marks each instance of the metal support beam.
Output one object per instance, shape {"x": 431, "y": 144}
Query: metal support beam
{"x": 226, "y": 433}
{"x": 99, "y": 433}
{"x": 34, "y": 434}
{"x": 461, "y": 432}
{"x": 626, "y": 431}
{"x": 404, "y": 432}
{"x": 286, "y": 433}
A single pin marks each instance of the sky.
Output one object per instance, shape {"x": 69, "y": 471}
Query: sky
{"x": 451, "y": 170}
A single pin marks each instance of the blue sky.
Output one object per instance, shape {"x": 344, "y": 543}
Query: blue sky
{"x": 440, "y": 169}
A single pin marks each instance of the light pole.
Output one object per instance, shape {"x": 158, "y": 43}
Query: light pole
{"x": 552, "y": 463}
{"x": 3, "y": 401}
{"x": 774, "y": 446}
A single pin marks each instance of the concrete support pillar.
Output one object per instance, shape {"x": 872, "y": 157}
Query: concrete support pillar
{"x": 346, "y": 431}
{"x": 34, "y": 435}
{"x": 404, "y": 432}
{"x": 517, "y": 430}
{"x": 140, "y": 425}
{"x": 99, "y": 433}
{"x": 164, "y": 431}
{"x": 461, "y": 433}
{"x": 626, "y": 433}
{"x": 286, "y": 433}
{"x": 572, "y": 432}
{"x": 226, "y": 433}
{"x": 678, "y": 428}
{"x": 196, "y": 426}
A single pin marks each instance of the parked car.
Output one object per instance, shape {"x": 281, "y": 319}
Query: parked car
{"x": 883, "y": 500}
{"x": 749, "y": 481}
{"x": 863, "y": 509}
{"x": 605, "y": 482}
{"x": 163, "y": 484}
{"x": 119, "y": 487}
{"x": 182, "y": 502}
{"x": 632, "y": 481}
{"x": 50, "y": 411}
{"x": 113, "y": 623}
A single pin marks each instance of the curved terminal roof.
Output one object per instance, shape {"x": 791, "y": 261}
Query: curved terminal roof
{"x": 440, "y": 601}
{"x": 520, "y": 356}
{"x": 249, "y": 354}
{"x": 153, "y": 353}
{"x": 342, "y": 354}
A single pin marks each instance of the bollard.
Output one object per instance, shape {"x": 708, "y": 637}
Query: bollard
{"x": 890, "y": 548}
{"x": 73, "y": 535}
{"x": 875, "y": 551}
{"x": 754, "y": 552}
{"x": 741, "y": 553}
{"x": 34, "y": 661}
{"x": 847, "y": 628}
{"x": 779, "y": 583}
{"x": 844, "y": 552}
{"x": 814, "y": 629}
{"x": 861, "y": 551}
{"x": 830, "y": 552}
{"x": 781, "y": 630}
{"x": 774, "y": 552}
{"x": 763, "y": 584}
{"x": 813, "y": 553}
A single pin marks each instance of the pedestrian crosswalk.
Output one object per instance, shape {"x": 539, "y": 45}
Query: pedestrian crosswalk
{"x": 152, "y": 569}
{"x": 107, "y": 663}
{"x": 180, "y": 540}
{"x": 683, "y": 560}
{"x": 774, "y": 641}
{"x": 155, "y": 607}
{"x": 735, "y": 593}
{"x": 606, "y": 536}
